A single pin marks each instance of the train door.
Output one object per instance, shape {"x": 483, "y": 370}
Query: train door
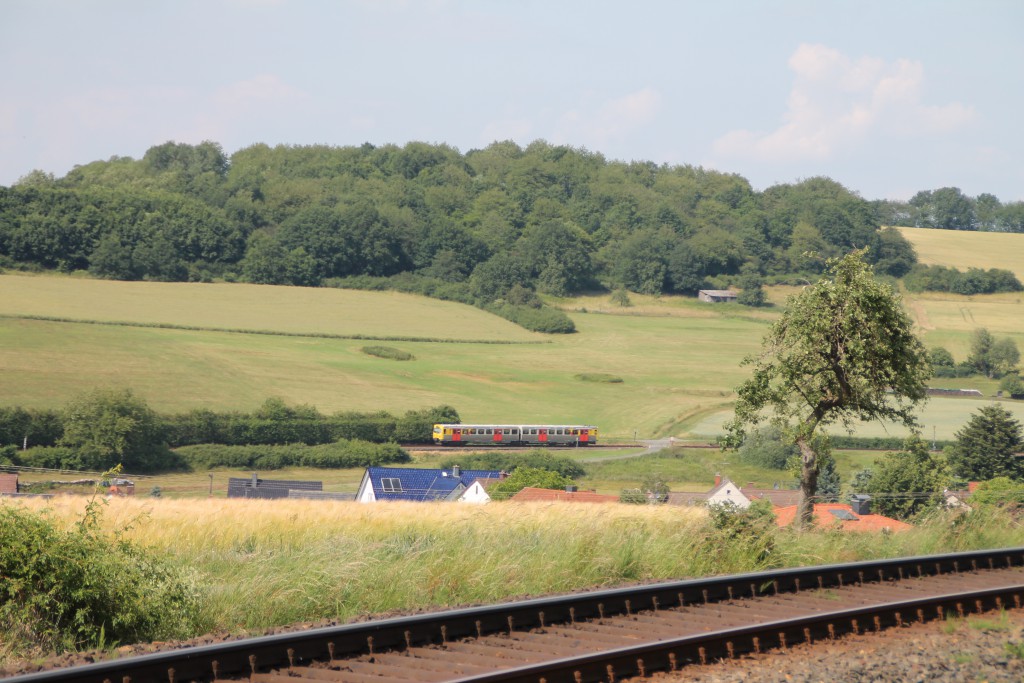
{"x": 497, "y": 434}
{"x": 584, "y": 436}
{"x": 457, "y": 434}
{"x": 542, "y": 435}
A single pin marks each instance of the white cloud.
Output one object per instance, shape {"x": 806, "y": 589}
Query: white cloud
{"x": 610, "y": 121}
{"x": 837, "y": 103}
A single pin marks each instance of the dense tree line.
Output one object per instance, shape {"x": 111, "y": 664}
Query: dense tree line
{"x": 105, "y": 428}
{"x": 492, "y": 227}
{"x": 949, "y": 208}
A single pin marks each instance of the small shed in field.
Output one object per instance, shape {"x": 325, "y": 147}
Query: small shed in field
{"x": 717, "y": 296}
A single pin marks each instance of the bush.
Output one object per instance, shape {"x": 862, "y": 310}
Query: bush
{"x": 77, "y": 588}
{"x": 387, "y": 352}
{"x": 765, "y": 448}
{"x": 339, "y": 455}
{"x": 599, "y": 377}
{"x": 544, "y": 319}
{"x": 507, "y": 462}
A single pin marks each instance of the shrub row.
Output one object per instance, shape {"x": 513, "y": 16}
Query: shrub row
{"x": 161, "y": 459}
{"x": 309, "y": 427}
{"x": 875, "y": 443}
{"x": 339, "y": 455}
{"x": 388, "y": 352}
{"x": 544, "y": 319}
{"x": 503, "y": 461}
{"x": 973, "y": 281}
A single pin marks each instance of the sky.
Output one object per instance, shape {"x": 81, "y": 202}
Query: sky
{"x": 887, "y": 97}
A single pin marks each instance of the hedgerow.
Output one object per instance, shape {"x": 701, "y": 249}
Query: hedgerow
{"x": 339, "y": 455}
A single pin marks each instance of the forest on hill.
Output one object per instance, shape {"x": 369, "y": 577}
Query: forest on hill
{"x": 492, "y": 227}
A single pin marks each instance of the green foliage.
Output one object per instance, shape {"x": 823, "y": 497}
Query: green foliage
{"x": 923, "y": 278}
{"x": 620, "y": 297}
{"x": 844, "y": 350}
{"x": 19, "y": 426}
{"x": 600, "y": 377}
{"x": 767, "y": 447}
{"x": 388, "y": 352}
{"x": 907, "y": 482}
{"x": 337, "y": 455}
{"x": 523, "y": 477}
{"x": 1013, "y": 386}
{"x": 986, "y": 446}
{"x": 1001, "y": 492}
{"x": 113, "y": 427}
{"x": 507, "y": 462}
{"x": 80, "y": 588}
{"x": 417, "y": 426}
{"x": 545, "y": 319}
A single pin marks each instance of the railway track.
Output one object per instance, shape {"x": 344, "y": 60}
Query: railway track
{"x": 601, "y": 635}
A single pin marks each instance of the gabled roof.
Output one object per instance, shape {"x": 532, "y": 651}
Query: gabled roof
{"x": 824, "y": 517}
{"x": 778, "y": 497}
{"x": 407, "y": 483}
{"x": 699, "y": 498}
{"x": 530, "y": 494}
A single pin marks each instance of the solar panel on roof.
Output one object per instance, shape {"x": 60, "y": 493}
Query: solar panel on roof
{"x": 845, "y": 515}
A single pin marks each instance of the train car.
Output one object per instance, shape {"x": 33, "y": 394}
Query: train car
{"x": 514, "y": 435}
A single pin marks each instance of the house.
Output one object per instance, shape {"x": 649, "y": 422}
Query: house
{"x": 724, "y": 491}
{"x": 254, "y": 487}
{"x": 407, "y": 483}
{"x": 569, "y": 495}
{"x": 717, "y": 296}
{"x": 478, "y": 491}
{"x": 8, "y": 484}
{"x": 845, "y": 517}
{"x": 779, "y": 498}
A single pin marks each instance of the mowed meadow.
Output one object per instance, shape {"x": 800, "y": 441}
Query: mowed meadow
{"x": 58, "y": 337}
{"x": 230, "y": 346}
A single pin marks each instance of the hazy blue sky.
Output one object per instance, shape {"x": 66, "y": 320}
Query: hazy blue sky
{"x": 887, "y": 97}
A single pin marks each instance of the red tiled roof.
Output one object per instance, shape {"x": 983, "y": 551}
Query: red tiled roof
{"x": 824, "y": 518}
{"x": 8, "y": 483}
{"x": 531, "y": 494}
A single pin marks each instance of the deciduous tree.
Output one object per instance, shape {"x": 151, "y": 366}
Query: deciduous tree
{"x": 843, "y": 350}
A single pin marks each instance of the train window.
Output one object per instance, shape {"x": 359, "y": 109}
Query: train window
{"x": 490, "y": 431}
{"x": 391, "y": 485}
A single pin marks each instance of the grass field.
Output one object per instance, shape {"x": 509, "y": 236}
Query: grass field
{"x": 679, "y": 359}
{"x": 967, "y": 249}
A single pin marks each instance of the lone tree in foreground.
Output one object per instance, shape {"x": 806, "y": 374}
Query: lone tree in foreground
{"x": 843, "y": 351}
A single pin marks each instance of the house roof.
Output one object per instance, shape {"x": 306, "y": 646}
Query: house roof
{"x": 778, "y": 497}
{"x": 422, "y": 484}
{"x": 719, "y": 292}
{"x": 253, "y": 487}
{"x": 8, "y": 483}
{"x": 824, "y": 517}
{"x": 530, "y": 494}
{"x": 700, "y": 497}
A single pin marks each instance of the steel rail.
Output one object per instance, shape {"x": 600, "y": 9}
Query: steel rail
{"x": 211, "y": 662}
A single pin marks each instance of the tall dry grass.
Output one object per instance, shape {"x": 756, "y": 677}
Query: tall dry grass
{"x": 269, "y": 563}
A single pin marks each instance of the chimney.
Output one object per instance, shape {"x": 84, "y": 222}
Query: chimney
{"x": 456, "y": 471}
{"x": 718, "y": 478}
{"x": 861, "y": 504}
{"x": 570, "y": 488}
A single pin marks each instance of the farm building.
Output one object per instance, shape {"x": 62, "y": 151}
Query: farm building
{"x": 724, "y": 491}
{"x": 717, "y": 296}
{"x": 407, "y": 483}
{"x": 255, "y": 487}
{"x": 569, "y": 495}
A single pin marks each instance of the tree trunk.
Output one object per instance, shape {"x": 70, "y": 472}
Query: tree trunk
{"x": 808, "y": 484}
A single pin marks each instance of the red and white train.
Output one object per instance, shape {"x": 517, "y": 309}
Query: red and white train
{"x": 514, "y": 435}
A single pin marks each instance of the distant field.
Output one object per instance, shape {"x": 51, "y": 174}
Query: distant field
{"x": 679, "y": 359}
{"x": 965, "y": 249}
{"x": 945, "y": 415}
{"x": 293, "y": 310}
{"x": 674, "y": 368}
